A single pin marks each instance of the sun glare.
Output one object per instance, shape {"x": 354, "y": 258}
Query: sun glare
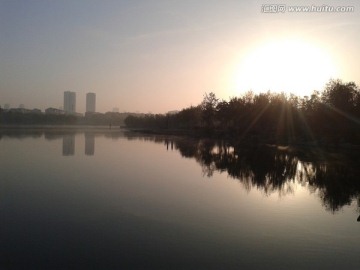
{"x": 289, "y": 66}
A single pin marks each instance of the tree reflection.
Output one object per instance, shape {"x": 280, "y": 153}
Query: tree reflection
{"x": 333, "y": 176}
{"x": 337, "y": 183}
{"x": 271, "y": 169}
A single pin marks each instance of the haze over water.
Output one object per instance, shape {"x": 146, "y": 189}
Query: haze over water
{"x": 111, "y": 200}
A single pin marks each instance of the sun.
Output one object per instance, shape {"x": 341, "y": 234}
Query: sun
{"x": 287, "y": 65}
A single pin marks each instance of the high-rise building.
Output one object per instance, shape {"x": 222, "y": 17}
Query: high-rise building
{"x": 69, "y": 102}
{"x": 90, "y": 102}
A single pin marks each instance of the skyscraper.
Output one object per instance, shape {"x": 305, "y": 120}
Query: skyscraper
{"x": 90, "y": 102}
{"x": 69, "y": 102}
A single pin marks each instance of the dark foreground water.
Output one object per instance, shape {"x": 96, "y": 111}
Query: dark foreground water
{"x": 112, "y": 200}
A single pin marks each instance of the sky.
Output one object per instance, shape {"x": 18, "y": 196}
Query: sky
{"x": 156, "y": 56}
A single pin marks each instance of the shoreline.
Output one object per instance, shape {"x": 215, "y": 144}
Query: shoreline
{"x": 54, "y": 127}
{"x": 247, "y": 141}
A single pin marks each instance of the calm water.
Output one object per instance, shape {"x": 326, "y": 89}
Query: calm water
{"x": 115, "y": 200}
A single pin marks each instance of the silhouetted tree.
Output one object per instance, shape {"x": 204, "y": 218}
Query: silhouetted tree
{"x": 208, "y": 108}
{"x": 343, "y": 96}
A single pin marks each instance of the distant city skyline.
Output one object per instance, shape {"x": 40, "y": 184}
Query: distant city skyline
{"x": 68, "y": 104}
{"x": 160, "y": 56}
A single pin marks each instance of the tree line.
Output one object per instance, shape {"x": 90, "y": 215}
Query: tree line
{"x": 327, "y": 117}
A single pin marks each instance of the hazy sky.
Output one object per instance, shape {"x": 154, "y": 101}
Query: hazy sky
{"x": 157, "y": 56}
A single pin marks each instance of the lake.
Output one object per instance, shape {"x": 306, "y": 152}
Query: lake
{"x": 112, "y": 199}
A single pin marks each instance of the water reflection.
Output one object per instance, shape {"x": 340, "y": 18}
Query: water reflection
{"x": 68, "y": 145}
{"x": 332, "y": 175}
{"x": 169, "y": 142}
{"x": 89, "y": 143}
